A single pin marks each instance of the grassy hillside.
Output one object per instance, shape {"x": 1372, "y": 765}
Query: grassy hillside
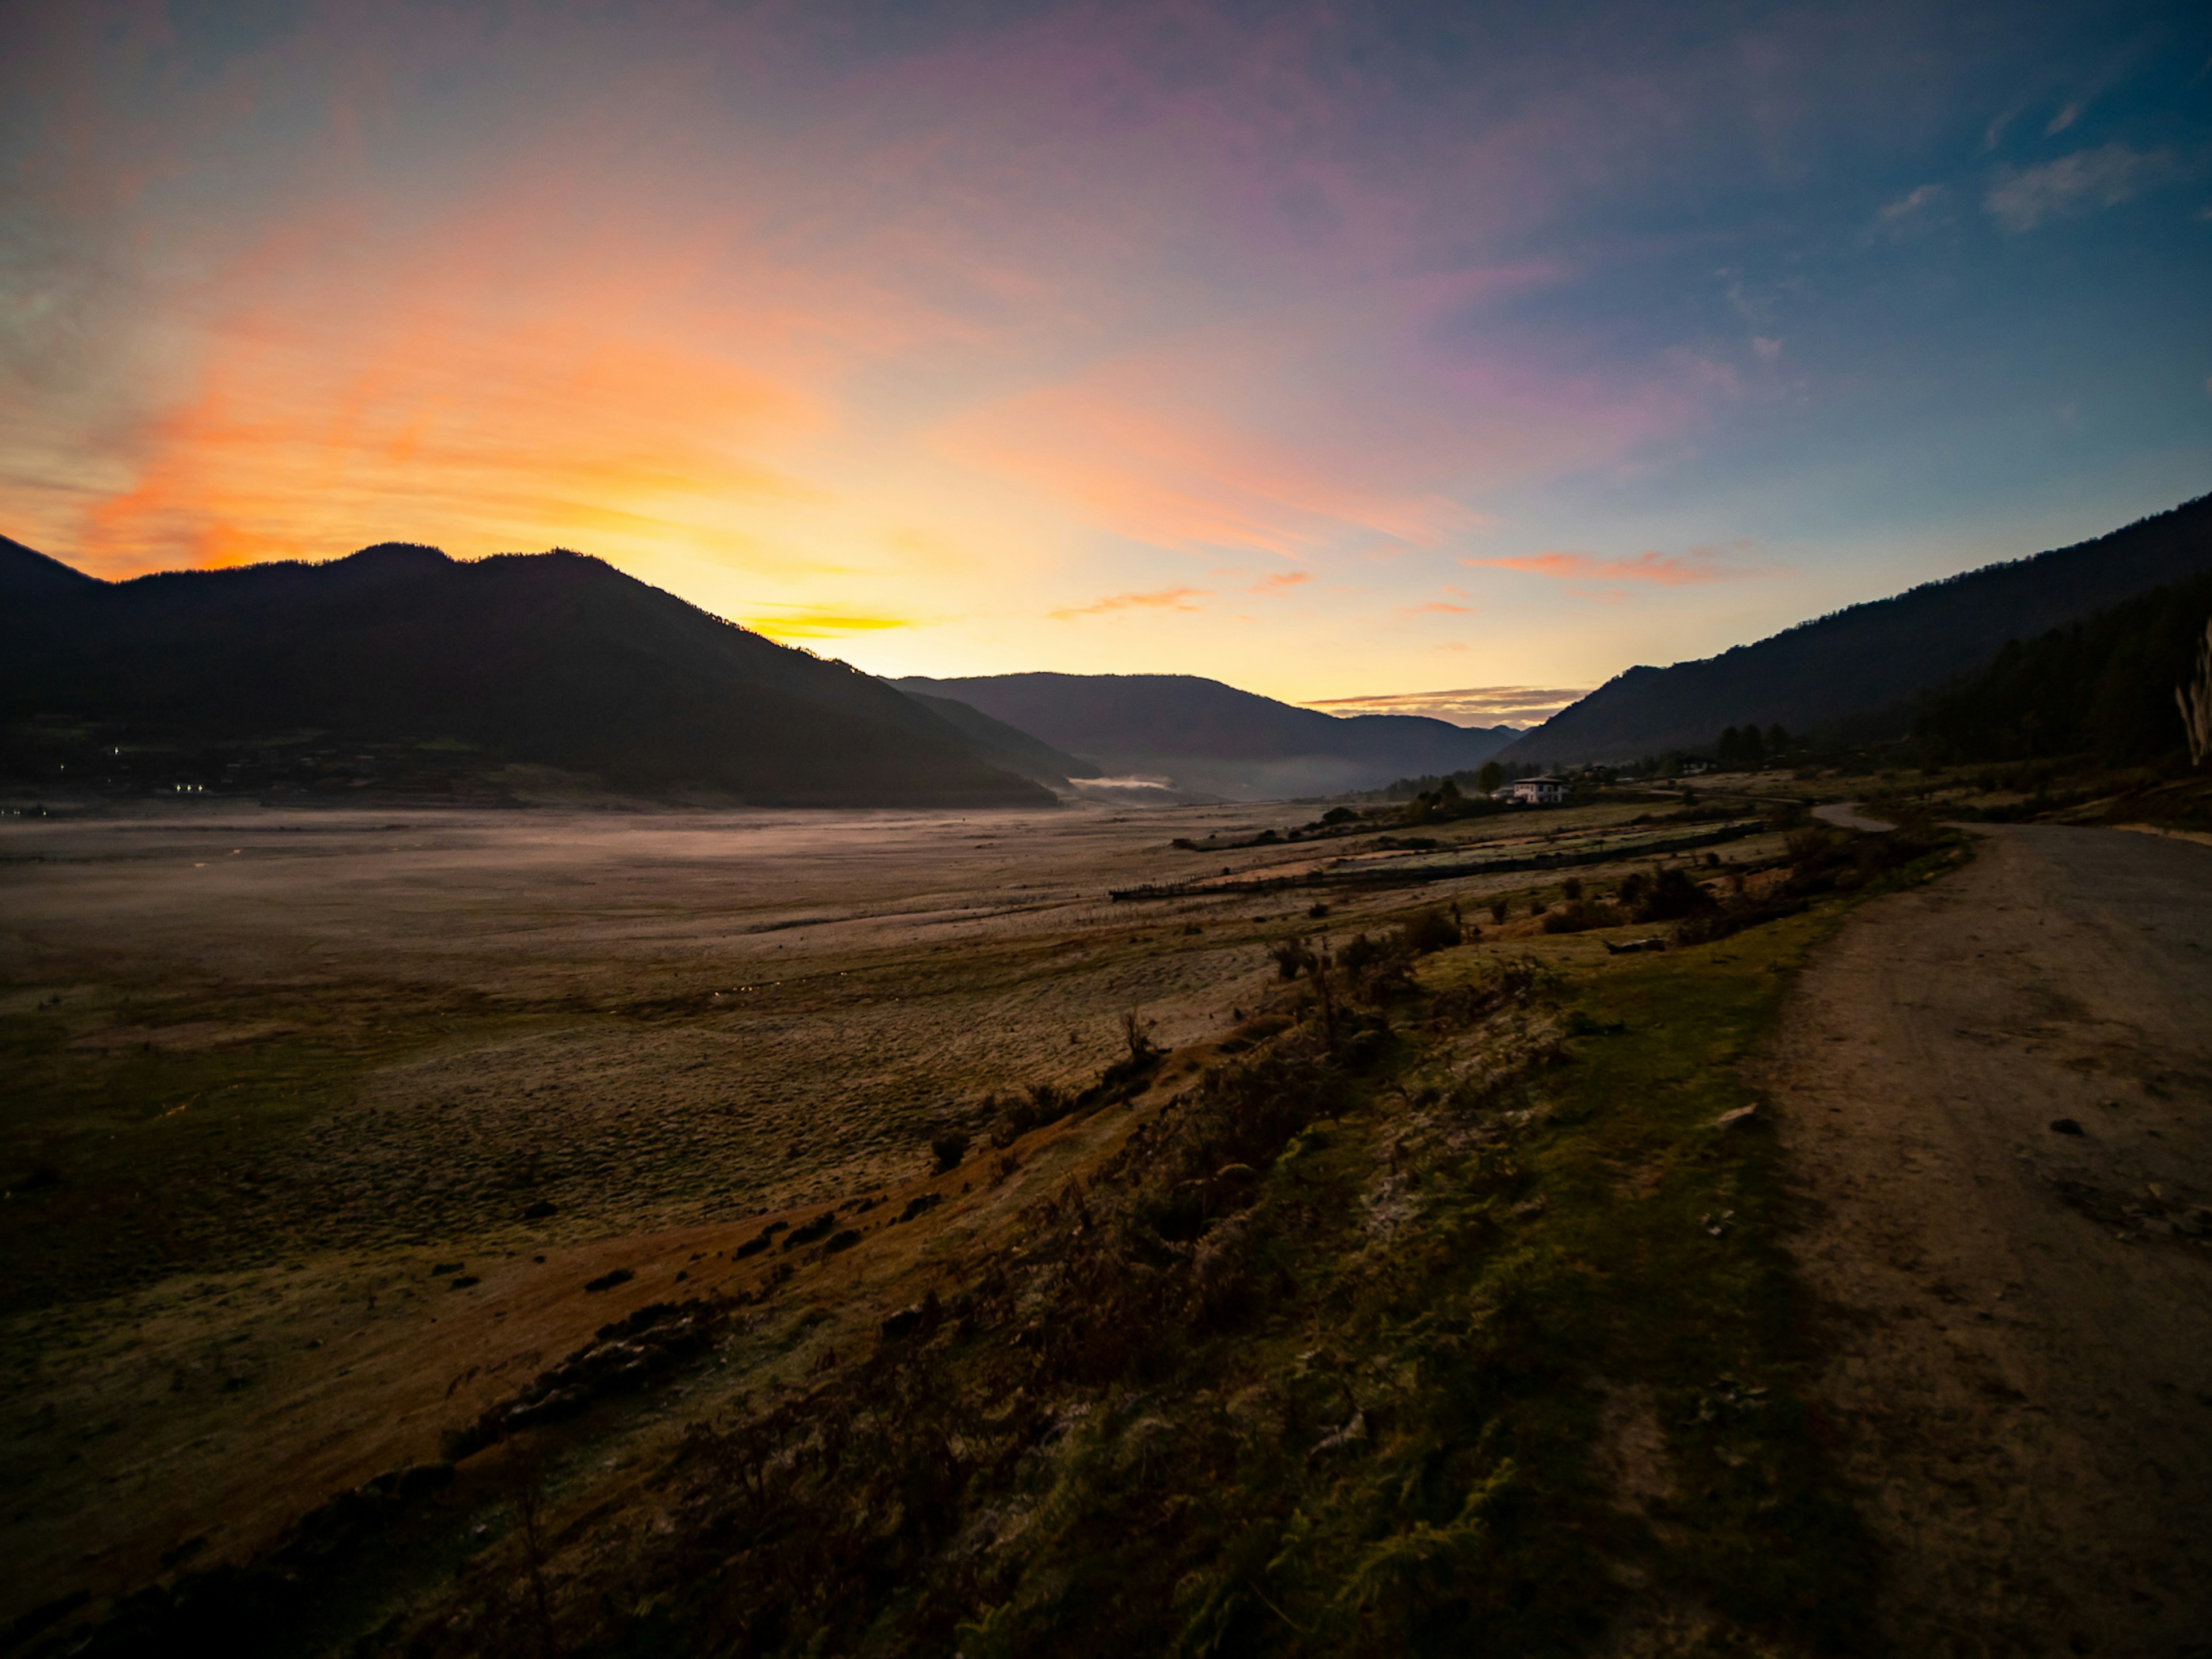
{"x": 1870, "y": 657}
{"x": 555, "y": 659}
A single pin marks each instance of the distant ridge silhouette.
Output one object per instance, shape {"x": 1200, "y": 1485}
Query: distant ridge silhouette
{"x": 553, "y": 658}
{"x": 1870, "y": 658}
{"x": 1213, "y": 738}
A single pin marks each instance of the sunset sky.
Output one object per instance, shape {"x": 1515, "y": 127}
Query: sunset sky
{"x": 1428, "y": 356}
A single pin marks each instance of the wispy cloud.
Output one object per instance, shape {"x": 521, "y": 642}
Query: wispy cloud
{"x": 806, "y": 622}
{"x": 1698, "y": 564}
{"x": 1434, "y": 607}
{"x": 1912, "y": 202}
{"x": 1471, "y": 705}
{"x": 2021, "y": 198}
{"x": 1281, "y": 582}
{"x": 1167, "y": 598}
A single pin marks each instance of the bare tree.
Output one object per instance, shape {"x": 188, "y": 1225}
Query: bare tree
{"x": 2194, "y": 702}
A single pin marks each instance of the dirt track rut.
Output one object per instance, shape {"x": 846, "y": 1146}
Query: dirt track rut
{"x": 2020, "y": 1318}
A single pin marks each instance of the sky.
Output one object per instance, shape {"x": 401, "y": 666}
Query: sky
{"x": 1441, "y": 358}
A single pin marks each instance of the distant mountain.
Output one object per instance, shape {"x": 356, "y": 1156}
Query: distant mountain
{"x": 1871, "y": 657}
{"x": 1211, "y": 739}
{"x": 553, "y": 660}
{"x": 998, "y": 744}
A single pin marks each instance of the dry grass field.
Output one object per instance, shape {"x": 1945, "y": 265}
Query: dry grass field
{"x": 317, "y": 1123}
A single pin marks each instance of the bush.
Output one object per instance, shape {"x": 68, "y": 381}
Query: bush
{"x": 949, "y": 1146}
{"x": 1359, "y": 952}
{"x": 1575, "y": 918}
{"x": 1571, "y": 888}
{"x": 1291, "y": 957}
{"x": 1674, "y": 896}
{"x": 1497, "y": 910}
{"x": 1429, "y": 930}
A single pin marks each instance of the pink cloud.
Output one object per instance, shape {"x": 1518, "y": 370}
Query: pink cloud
{"x": 1699, "y": 564}
{"x": 1168, "y": 598}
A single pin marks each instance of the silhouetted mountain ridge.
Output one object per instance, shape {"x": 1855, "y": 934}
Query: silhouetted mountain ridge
{"x": 1870, "y": 657}
{"x": 552, "y": 658}
{"x": 1212, "y": 738}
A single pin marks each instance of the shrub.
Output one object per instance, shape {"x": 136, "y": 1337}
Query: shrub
{"x": 1672, "y": 897}
{"x": 1291, "y": 957}
{"x": 1359, "y": 952}
{"x": 949, "y": 1146}
{"x": 1429, "y": 930}
{"x": 1375, "y": 967}
{"x": 1136, "y": 1034}
{"x": 1571, "y": 888}
{"x": 1574, "y": 918}
{"x": 1497, "y": 910}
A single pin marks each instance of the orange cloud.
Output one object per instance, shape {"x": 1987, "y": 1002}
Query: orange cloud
{"x": 1281, "y": 582}
{"x": 1170, "y": 598}
{"x": 1434, "y": 607}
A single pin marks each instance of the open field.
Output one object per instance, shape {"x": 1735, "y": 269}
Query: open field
{"x": 566, "y": 1178}
{"x": 268, "y": 1071}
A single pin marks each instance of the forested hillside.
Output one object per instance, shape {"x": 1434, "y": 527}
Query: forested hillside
{"x": 1871, "y": 657}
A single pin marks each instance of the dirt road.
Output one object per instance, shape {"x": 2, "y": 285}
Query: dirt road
{"x": 1996, "y": 1094}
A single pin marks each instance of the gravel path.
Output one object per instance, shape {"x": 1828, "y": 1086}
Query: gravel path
{"x": 1996, "y": 1093}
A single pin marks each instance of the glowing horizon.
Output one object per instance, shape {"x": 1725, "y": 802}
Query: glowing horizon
{"x": 1323, "y": 355}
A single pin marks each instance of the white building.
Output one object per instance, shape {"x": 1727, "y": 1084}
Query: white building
{"x": 1537, "y": 792}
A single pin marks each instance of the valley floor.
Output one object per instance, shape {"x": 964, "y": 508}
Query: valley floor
{"x": 1468, "y": 1296}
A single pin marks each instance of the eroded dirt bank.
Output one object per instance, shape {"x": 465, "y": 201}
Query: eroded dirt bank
{"x": 2020, "y": 1314}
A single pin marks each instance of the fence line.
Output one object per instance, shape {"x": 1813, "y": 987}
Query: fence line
{"x": 1201, "y": 885}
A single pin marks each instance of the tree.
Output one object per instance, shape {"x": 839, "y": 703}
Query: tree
{"x": 1490, "y": 777}
{"x": 2196, "y": 703}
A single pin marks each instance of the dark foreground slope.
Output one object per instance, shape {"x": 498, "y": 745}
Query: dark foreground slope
{"x": 1212, "y": 737}
{"x": 1873, "y": 656}
{"x": 553, "y": 660}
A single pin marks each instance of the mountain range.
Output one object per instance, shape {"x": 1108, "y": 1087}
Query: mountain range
{"x": 551, "y": 659}
{"x": 1861, "y": 667}
{"x": 1197, "y": 737}
{"x": 399, "y": 666}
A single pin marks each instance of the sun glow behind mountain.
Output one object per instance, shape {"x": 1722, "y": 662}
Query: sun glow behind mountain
{"x": 1321, "y": 356}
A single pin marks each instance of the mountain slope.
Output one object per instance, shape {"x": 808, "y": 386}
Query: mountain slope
{"x": 1871, "y": 656}
{"x": 552, "y": 658}
{"x": 27, "y": 574}
{"x": 1003, "y": 746}
{"x": 1210, "y": 737}
{"x": 2104, "y": 686}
